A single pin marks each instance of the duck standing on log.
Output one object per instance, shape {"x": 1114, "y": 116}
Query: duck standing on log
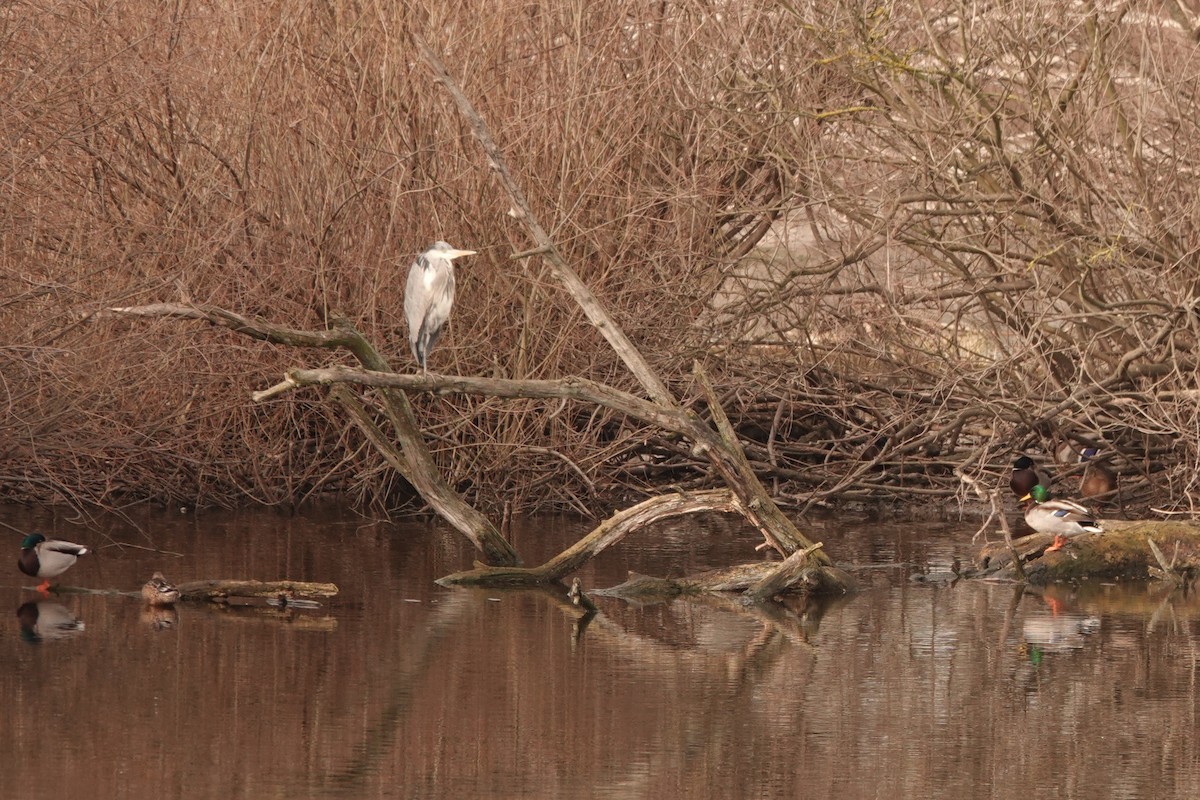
{"x": 47, "y": 558}
{"x": 1063, "y": 518}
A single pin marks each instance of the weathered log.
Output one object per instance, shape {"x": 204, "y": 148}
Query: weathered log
{"x": 225, "y": 589}
{"x": 792, "y": 570}
{"x": 1122, "y": 552}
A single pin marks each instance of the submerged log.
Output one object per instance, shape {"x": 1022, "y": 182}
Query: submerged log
{"x": 811, "y": 580}
{"x": 1122, "y": 552}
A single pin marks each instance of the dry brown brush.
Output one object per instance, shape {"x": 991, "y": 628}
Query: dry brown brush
{"x": 904, "y": 241}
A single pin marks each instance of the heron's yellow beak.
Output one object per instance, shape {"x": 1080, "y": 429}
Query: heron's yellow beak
{"x": 453, "y": 254}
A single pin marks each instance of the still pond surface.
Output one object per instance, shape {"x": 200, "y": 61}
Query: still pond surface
{"x": 400, "y": 688}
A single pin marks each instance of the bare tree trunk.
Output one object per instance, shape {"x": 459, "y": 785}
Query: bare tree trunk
{"x": 745, "y": 493}
{"x": 412, "y": 459}
{"x": 722, "y": 449}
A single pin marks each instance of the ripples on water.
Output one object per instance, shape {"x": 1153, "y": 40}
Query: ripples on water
{"x": 399, "y": 688}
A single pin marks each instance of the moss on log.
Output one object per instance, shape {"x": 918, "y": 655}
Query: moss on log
{"x": 1122, "y": 552}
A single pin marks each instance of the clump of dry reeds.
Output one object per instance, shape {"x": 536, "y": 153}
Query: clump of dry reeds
{"x": 967, "y": 240}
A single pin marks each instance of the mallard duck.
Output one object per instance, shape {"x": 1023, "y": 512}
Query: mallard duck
{"x": 46, "y": 620}
{"x": 1098, "y": 480}
{"x": 47, "y": 558}
{"x": 1024, "y": 476}
{"x": 158, "y": 591}
{"x": 1062, "y": 518}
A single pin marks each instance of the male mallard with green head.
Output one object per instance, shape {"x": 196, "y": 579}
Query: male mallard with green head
{"x": 47, "y": 558}
{"x": 158, "y": 591}
{"x": 1062, "y": 518}
{"x": 1024, "y": 476}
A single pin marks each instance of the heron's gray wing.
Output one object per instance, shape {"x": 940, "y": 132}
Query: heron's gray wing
{"x": 416, "y": 299}
{"x": 428, "y": 298}
{"x": 440, "y": 300}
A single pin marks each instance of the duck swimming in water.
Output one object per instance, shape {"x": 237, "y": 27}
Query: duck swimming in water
{"x": 158, "y": 591}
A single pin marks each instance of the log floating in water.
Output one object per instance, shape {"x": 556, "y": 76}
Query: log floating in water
{"x": 1122, "y": 552}
{"x": 742, "y": 578}
{"x": 218, "y": 590}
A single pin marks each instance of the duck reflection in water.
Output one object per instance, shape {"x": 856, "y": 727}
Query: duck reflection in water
{"x": 47, "y": 621}
{"x": 1057, "y": 633}
{"x": 160, "y": 618}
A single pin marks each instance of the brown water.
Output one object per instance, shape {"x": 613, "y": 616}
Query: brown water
{"x": 400, "y": 688}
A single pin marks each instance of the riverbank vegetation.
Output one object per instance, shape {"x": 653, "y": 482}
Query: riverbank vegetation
{"x": 905, "y": 244}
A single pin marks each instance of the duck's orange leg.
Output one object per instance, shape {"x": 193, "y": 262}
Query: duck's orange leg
{"x": 44, "y": 587}
{"x": 1059, "y": 541}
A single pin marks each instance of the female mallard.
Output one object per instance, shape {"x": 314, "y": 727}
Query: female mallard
{"x": 1024, "y": 476}
{"x": 1098, "y": 480}
{"x": 158, "y": 591}
{"x": 1063, "y": 518}
{"x": 47, "y": 558}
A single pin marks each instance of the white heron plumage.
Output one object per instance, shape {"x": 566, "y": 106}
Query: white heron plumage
{"x": 429, "y": 296}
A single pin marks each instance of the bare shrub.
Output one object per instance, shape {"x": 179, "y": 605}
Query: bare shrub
{"x": 968, "y": 232}
{"x": 1002, "y": 227}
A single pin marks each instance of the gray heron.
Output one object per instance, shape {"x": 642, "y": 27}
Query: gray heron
{"x": 429, "y": 296}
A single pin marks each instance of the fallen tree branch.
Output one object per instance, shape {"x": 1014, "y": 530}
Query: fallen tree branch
{"x": 608, "y": 533}
{"x": 581, "y": 389}
{"x": 790, "y": 570}
{"x": 412, "y": 459}
{"x": 721, "y": 447}
{"x": 1166, "y": 570}
{"x": 722, "y": 450}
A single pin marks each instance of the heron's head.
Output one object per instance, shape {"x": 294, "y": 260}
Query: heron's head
{"x": 444, "y": 250}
